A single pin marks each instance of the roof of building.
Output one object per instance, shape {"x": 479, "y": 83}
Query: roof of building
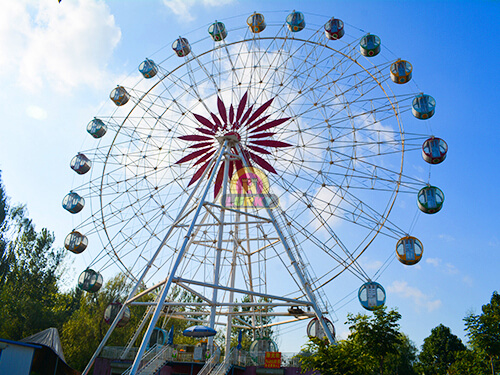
{"x": 21, "y": 343}
{"x": 48, "y": 337}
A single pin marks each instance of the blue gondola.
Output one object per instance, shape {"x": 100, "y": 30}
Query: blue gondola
{"x": 73, "y": 203}
{"x": 80, "y": 164}
{"x": 409, "y": 250}
{"x": 423, "y": 106}
{"x": 369, "y": 45}
{"x": 256, "y": 23}
{"x": 401, "y": 71}
{"x": 158, "y": 337}
{"x": 181, "y": 47}
{"x": 217, "y": 31}
{"x": 334, "y": 29}
{"x": 119, "y": 96}
{"x": 96, "y": 128}
{"x": 76, "y": 242}
{"x": 434, "y": 150}
{"x": 371, "y": 295}
{"x": 148, "y": 68}
{"x": 430, "y": 199}
{"x": 90, "y": 280}
{"x": 295, "y": 21}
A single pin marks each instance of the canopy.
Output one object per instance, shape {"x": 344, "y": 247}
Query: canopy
{"x": 199, "y": 331}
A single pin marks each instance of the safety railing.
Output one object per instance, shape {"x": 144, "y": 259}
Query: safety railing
{"x": 211, "y": 363}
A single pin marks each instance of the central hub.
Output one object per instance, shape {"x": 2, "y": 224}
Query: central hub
{"x": 231, "y": 137}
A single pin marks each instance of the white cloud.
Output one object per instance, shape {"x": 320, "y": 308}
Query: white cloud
{"x": 451, "y": 269}
{"x": 436, "y": 262}
{"x": 467, "y": 280}
{"x": 447, "y": 268}
{"x": 36, "y": 112}
{"x": 419, "y": 169}
{"x": 62, "y": 45}
{"x": 403, "y": 290}
{"x": 446, "y": 237}
{"x": 401, "y": 204}
{"x": 183, "y": 8}
{"x": 371, "y": 265}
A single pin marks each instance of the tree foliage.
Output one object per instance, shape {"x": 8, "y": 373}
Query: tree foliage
{"x": 83, "y": 331}
{"x": 29, "y": 272}
{"x": 343, "y": 358}
{"x": 181, "y": 323}
{"x": 258, "y": 319}
{"x": 403, "y": 359}
{"x": 380, "y": 333}
{"x": 484, "y": 330}
{"x": 470, "y": 362}
{"x": 373, "y": 346}
{"x": 5, "y": 256}
{"x": 439, "y": 351}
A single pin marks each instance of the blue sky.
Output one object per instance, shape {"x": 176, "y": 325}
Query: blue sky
{"x": 59, "y": 62}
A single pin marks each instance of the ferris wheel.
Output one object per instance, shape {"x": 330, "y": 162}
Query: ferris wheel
{"x": 262, "y": 163}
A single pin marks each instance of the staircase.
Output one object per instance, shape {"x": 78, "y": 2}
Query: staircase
{"x": 211, "y": 363}
{"x": 156, "y": 357}
{"x": 132, "y": 339}
{"x": 157, "y": 362}
{"x": 224, "y": 367}
{"x": 153, "y": 360}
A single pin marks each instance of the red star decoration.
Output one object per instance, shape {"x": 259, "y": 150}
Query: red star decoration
{"x": 249, "y": 122}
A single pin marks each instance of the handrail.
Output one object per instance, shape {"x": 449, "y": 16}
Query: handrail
{"x": 210, "y": 364}
{"x": 151, "y": 353}
{"x": 226, "y": 365}
{"x": 154, "y": 361}
{"x": 132, "y": 339}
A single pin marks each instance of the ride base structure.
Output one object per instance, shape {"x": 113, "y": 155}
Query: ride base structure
{"x": 237, "y": 224}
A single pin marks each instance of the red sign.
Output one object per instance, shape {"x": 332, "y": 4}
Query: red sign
{"x": 272, "y": 360}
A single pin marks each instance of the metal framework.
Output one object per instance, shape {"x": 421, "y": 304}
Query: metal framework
{"x": 318, "y": 122}
{"x": 224, "y": 223}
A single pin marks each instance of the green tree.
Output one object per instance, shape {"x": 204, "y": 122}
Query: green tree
{"x": 379, "y": 334}
{"x": 469, "y": 362}
{"x": 5, "y": 257}
{"x": 374, "y": 345}
{"x": 82, "y": 333}
{"x": 439, "y": 351}
{"x": 484, "y": 330}
{"x": 29, "y": 294}
{"x": 402, "y": 360}
{"x": 258, "y": 319}
{"x": 342, "y": 358}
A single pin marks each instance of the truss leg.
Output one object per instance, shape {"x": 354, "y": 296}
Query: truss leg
{"x": 220, "y": 233}
{"x": 295, "y": 263}
{"x": 180, "y": 256}
{"x": 232, "y": 281}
